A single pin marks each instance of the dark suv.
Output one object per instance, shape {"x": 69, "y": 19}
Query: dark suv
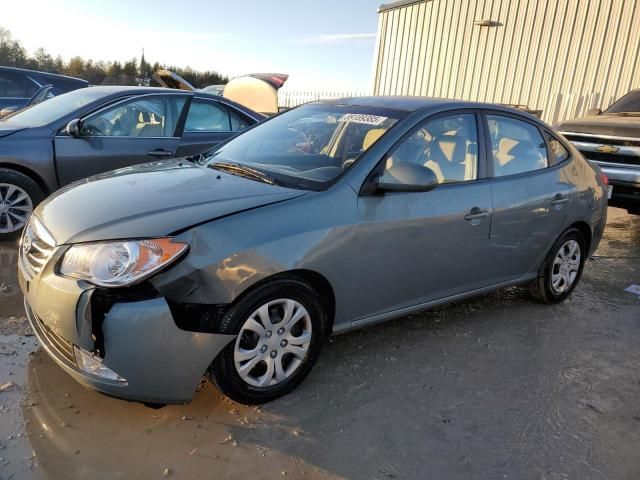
{"x": 18, "y": 85}
{"x": 612, "y": 140}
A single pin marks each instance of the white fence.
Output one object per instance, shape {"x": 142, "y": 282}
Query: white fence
{"x": 293, "y": 98}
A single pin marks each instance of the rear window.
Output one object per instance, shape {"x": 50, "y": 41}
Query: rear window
{"x": 629, "y": 103}
{"x": 16, "y": 86}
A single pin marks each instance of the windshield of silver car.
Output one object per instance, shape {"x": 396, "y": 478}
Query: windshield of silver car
{"x": 308, "y": 147}
{"x": 54, "y": 108}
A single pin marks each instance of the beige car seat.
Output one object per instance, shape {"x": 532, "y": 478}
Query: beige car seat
{"x": 371, "y": 137}
{"x": 529, "y": 157}
{"x": 448, "y": 158}
{"x": 503, "y": 155}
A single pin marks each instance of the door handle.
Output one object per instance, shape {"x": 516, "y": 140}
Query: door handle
{"x": 559, "y": 199}
{"x": 160, "y": 153}
{"x": 476, "y": 214}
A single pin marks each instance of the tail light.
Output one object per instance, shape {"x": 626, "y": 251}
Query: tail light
{"x": 604, "y": 178}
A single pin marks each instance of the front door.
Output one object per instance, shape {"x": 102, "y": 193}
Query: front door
{"x": 429, "y": 245}
{"x": 137, "y": 130}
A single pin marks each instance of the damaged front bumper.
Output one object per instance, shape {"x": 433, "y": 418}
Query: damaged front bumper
{"x": 141, "y": 353}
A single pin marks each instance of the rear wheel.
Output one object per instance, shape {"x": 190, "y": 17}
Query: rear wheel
{"x": 562, "y": 268}
{"x": 19, "y": 195}
{"x": 280, "y": 328}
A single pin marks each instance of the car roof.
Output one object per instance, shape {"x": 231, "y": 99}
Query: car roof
{"x": 119, "y": 90}
{"x": 114, "y": 89}
{"x": 413, "y": 104}
{"x": 408, "y": 104}
{"x": 26, "y": 71}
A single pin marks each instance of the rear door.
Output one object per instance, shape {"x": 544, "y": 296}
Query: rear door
{"x": 531, "y": 194}
{"x": 209, "y": 123}
{"x": 135, "y": 130}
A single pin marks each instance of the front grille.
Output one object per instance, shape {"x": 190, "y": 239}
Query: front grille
{"x": 36, "y": 247}
{"x": 621, "y": 141}
{"x": 63, "y": 347}
{"x": 612, "y": 158}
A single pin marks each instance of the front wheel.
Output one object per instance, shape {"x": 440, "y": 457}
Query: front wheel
{"x": 562, "y": 268}
{"x": 19, "y": 195}
{"x": 280, "y": 327}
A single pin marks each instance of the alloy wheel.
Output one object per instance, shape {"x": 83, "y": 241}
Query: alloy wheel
{"x": 565, "y": 267}
{"x": 273, "y": 342}
{"x": 15, "y": 208}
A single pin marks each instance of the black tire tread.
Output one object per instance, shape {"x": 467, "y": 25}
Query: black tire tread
{"x": 540, "y": 288}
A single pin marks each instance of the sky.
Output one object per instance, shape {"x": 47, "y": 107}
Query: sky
{"x": 323, "y": 44}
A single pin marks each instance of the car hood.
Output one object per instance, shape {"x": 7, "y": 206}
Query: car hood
{"x": 151, "y": 200}
{"x": 604, "y": 124}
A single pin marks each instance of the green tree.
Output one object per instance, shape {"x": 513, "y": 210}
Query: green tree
{"x": 59, "y": 64}
{"x": 44, "y": 61}
{"x": 75, "y": 67}
{"x": 12, "y": 53}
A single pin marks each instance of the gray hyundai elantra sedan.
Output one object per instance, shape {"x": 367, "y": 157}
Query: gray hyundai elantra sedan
{"x": 329, "y": 217}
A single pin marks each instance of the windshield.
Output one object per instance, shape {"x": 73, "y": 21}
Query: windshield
{"x": 630, "y": 103}
{"x": 308, "y": 147}
{"x": 54, "y": 108}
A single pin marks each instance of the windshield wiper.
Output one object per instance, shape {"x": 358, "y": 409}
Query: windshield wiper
{"x": 627, "y": 114}
{"x": 243, "y": 171}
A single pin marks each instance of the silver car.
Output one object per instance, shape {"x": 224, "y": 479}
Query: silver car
{"x": 329, "y": 217}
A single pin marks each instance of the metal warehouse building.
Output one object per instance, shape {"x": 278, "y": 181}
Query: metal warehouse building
{"x": 559, "y": 56}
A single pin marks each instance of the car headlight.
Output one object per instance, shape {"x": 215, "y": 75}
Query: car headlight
{"x": 118, "y": 263}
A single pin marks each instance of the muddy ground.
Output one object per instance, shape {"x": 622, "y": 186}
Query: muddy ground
{"x": 498, "y": 387}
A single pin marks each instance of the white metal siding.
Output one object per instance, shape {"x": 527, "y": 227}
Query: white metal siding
{"x": 559, "y": 56}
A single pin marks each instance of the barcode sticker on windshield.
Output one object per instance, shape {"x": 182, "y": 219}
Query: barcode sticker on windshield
{"x": 362, "y": 118}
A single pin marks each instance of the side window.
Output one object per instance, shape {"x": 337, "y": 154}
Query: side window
{"x": 142, "y": 117}
{"x": 237, "y": 122}
{"x": 446, "y": 145}
{"x": 517, "y": 146}
{"x": 207, "y": 116}
{"x": 558, "y": 152}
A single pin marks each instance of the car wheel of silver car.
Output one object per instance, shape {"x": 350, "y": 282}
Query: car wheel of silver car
{"x": 19, "y": 195}
{"x": 280, "y": 327}
{"x": 562, "y": 268}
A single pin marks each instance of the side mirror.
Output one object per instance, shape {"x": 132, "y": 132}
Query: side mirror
{"x": 73, "y": 128}
{"x": 593, "y": 112}
{"x": 407, "y": 177}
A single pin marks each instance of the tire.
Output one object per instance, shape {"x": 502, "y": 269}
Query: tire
{"x": 259, "y": 383}
{"x": 545, "y": 287}
{"x": 13, "y": 187}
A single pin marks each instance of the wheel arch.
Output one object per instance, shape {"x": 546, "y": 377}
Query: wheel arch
{"x": 585, "y": 230}
{"x": 315, "y": 280}
{"x": 29, "y": 173}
